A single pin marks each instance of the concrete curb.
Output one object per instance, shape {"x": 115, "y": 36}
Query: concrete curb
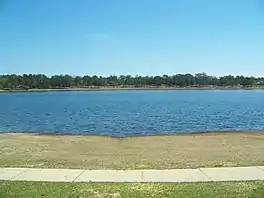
{"x": 174, "y": 175}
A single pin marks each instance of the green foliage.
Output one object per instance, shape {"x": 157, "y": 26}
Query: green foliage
{"x": 41, "y": 81}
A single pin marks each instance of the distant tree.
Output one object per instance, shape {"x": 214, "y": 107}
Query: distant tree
{"x": 87, "y": 81}
{"x": 95, "y": 81}
{"x": 201, "y": 79}
{"x": 112, "y": 80}
{"x": 29, "y": 81}
{"x": 78, "y": 81}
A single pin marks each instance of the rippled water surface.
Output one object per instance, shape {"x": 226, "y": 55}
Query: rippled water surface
{"x": 136, "y": 112}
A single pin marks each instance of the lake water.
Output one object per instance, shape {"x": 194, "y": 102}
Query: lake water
{"x": 122, "y": 113}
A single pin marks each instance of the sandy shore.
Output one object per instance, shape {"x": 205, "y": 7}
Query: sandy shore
{"x": 196, "y": 133}
{"x": 213, "y": 149}
{"x": 134, "y": 88}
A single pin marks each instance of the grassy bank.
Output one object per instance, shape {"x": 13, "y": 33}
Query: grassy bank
{"x": 149, "y": 152}
{"x": 133, "y": 190}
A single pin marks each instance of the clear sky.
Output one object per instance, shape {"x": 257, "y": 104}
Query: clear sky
{"x": 145, "y": 37}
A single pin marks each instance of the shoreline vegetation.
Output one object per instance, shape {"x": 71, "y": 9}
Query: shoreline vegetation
{"x": 41, "y": 82}
{"x": 216, "y": 149}
{"x": 109, "y": 88}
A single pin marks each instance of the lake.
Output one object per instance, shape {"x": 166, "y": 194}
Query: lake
{"x": 131, "y": 112}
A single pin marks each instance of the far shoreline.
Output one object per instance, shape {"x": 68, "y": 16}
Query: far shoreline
{"x": 128, "y": 88}
{"x": 195, "y": 133}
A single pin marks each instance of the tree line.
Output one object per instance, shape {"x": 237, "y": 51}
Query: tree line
{"x": 41, "y": 81}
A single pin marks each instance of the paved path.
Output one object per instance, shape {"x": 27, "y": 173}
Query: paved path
{"x": 176, "y": 175}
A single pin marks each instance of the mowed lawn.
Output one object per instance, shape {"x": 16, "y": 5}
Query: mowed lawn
{"x": 253, "y": 189}
{"x": 150, "y": 152}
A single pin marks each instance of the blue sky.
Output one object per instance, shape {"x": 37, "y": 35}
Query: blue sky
{"x": 145, "y": 37}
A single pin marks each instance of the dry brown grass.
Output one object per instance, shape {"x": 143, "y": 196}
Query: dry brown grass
{"x": 159, "y": 152}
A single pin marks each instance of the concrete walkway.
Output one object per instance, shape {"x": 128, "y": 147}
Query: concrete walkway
{"x": 176, "y": 175}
